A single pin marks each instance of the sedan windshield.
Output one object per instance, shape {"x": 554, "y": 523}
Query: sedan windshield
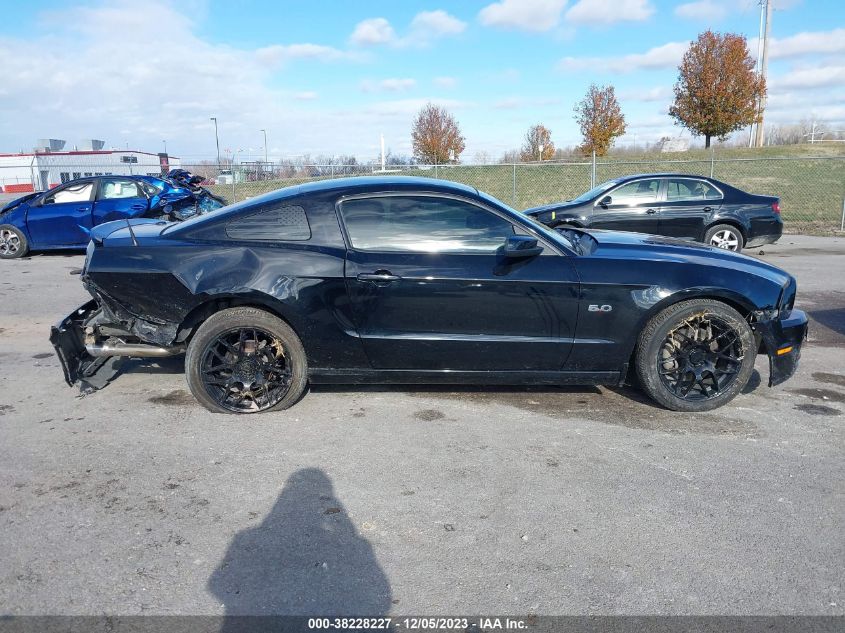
{"x": 595, "y": 191}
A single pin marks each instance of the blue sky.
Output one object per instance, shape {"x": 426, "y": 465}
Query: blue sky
{"x": 328, "y": 77}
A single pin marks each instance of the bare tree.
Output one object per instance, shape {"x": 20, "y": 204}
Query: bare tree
{"x": 481, "y": 158}
{"x": 538, "y": 144}
{"x": 436, "y": 136}
{"x": 600, "y": 118}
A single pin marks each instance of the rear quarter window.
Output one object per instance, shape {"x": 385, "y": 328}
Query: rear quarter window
{"x": 270, "y": 224}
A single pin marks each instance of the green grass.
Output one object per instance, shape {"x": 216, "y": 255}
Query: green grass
{"x": 811, "y": 189}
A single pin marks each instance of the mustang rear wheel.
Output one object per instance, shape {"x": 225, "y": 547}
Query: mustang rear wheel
{"x": 725, "y": 236}
{"x": 695, "y": 355}
{"x": 245, "y": 360}
{"x": 12, "y": 242}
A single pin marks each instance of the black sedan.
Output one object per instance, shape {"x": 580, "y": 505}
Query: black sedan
{"x": 414, "y": 280}
{"x": 676, "y": 205}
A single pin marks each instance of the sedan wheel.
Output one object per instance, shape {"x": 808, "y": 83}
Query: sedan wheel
{"x": 12, "y": 242}
{"x": 724, "y": 236}
{"x": 696, "y": 355}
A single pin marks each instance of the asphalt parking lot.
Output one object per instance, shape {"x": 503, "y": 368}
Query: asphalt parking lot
{"x": 135, "y": 500}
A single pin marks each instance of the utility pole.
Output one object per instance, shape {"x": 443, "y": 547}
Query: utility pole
{"x": 216, "y": 140}
{"x": 758, "y": 139}
{"x": 382, "y": 152}
{"x": 265, "y": 147}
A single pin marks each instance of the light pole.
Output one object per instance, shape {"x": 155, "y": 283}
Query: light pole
{"x": 216, "y": 140}
{"x": 165, "y": 145}
{"x": 265, "y": 146}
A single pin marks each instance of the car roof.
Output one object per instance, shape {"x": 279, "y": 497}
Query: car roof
{"x": 374, "y": 183}
{"x": 663, "y": 174}
{"x": 351, "y": 185}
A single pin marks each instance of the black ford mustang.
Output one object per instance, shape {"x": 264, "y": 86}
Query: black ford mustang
{"x": 674, "y": 205}
{"x": 413, "y": 280}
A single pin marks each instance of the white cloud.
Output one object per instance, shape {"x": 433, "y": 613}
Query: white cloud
{"x": 373, "y": 31}
{"x": 805, "y": 43}
{"x": 665, "y": 56}
{"x": 524, "y": 15}
{"x": 392, "y": 84}
{"x": 810, "y": 77}
{"x": 280, "y": 53}
{"x": 609, "y": 11}
{"x": 658, "y": 93}
{"x": 425, "y": 27}
{"x": 432, "y": 24}
{"x": 135, "y": 94}
{"x": 445, "y": 82}
{"x": 704, "y": 10}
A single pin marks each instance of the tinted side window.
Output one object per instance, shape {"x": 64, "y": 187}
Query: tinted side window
{"x": 281, "y": 222}
{"x": 423, "y": 224}
{"x": 639, "y": 191}
{"x": 686, "y": 189}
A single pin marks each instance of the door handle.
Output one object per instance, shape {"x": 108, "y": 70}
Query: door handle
{"x": 707, "y": 209}
{"x": 380, "y": 276}
{"x": 84, "y": 209}
{"x": 651, "y": 211}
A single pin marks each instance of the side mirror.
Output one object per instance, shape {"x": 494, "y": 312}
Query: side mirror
{"x": 46, "y": 200}
{"x": 521, "y": 246}
{"x": 605, "y": 202}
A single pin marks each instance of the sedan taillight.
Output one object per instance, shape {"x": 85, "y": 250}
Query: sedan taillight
{"x": 776, "y": 206}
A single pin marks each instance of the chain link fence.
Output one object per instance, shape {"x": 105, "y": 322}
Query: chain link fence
{"x": 811, "y": 189}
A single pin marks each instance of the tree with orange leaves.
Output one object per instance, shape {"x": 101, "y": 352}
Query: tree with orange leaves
{"x": 600, "y": 118}
{"x": 717, "y": 91}
{"x": 436, "y": 136}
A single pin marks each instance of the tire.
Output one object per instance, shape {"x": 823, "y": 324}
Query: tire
{"x": 674, "y": 354}
{"x": 13, "y": 242}
{"x": 725, "y": 236}
{"x": 246, "y": 360}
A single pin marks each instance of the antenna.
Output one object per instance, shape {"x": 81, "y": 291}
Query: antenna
{"x": 132, "y": 233}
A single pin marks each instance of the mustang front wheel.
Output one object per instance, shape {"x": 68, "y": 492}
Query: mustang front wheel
{"x": 695, "y": 355}
{"x": 245, "y": 360}
{"x": 12, "y": 242}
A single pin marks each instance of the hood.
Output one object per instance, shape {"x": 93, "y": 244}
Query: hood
{"x": 18, "y": 201}
{"x": 555, "y": 206}
{"x": 657, "y": 248}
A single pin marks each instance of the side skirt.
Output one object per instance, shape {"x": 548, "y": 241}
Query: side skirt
{"x": 449, "y": 377}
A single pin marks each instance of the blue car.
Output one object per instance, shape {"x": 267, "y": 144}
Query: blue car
{"x": 62, "y": 218}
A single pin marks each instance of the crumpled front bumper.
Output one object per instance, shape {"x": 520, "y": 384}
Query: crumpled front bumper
{"x": 783, "y": 339}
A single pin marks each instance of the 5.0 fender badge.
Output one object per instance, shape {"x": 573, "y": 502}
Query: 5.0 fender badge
{"x": 597, "y": 308}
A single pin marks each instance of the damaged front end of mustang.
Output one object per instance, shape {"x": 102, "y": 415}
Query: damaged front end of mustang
{"x": 780, "y": 333}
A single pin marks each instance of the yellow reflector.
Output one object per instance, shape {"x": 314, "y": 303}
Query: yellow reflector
{"x": 553, "y": 215}
{"x": 784, "y": 350}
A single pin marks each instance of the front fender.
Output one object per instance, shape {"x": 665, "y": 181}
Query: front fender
{"x": 16, "y": 216}
{"x": 782, "y": 340}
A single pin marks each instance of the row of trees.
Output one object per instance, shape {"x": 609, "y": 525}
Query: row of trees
{"x": 717, "y": 92}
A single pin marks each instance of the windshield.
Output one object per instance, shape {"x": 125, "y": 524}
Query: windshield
{"x": 598, "y": 189}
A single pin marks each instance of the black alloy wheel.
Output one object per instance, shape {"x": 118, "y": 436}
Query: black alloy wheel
{"x": 695, "y": 355}
{"x": 245, "y": 360}
{"x": 700, "y": 358}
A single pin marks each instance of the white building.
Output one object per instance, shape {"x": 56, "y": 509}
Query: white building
{"x": 42, "y": 170}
